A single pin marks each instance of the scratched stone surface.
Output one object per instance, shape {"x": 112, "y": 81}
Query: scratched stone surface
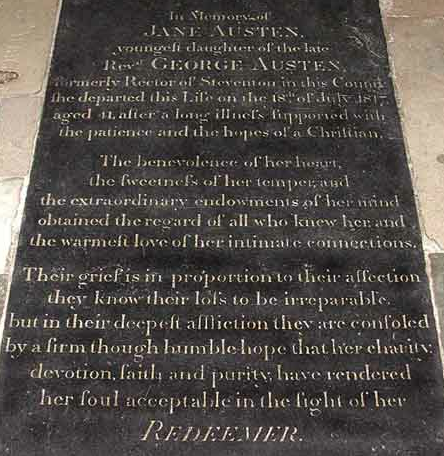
{"x": 26, "y": 34}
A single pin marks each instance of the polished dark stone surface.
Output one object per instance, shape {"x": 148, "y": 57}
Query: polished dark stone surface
{"x": 320, "y": 207}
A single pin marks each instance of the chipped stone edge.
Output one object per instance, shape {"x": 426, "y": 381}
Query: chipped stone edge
{"x": 20, "y": 210}
{"x": 430, "y": 246}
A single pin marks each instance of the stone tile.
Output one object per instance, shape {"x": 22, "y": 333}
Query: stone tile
{"x": 415, "y": 8}
{"x": 26, "y": 33}
{"x": 18, "y": 129}
{"x": 10, "y": 190}
{"x": 417, "y": 49}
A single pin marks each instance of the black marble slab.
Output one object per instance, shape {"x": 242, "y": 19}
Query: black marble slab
{"x": 220, "y": 251}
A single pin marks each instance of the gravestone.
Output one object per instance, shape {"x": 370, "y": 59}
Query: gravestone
{"x": 220, "y": 250}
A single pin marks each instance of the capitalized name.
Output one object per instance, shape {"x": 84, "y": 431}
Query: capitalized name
{"x": 157, "y": 431}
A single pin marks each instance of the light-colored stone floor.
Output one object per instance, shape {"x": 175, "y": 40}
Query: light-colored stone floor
{"x": 26, "y": 35}
{"x": 416, "y": 45}
{"x": 415, "y": 33}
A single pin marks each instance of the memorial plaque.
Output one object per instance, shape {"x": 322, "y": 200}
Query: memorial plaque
{"x": 220, "y": 252}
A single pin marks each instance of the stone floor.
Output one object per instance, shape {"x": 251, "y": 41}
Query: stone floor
{"x": 415, "y": 33}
